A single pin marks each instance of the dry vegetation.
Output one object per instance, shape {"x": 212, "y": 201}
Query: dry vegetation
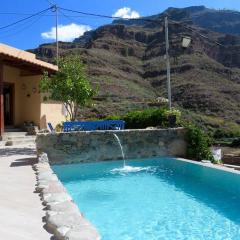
{"x": 127, "y": 61}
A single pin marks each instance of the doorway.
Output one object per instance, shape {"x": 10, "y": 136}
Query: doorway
{"x": 8, "y": 90}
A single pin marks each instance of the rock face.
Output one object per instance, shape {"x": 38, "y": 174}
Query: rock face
{"x": 224, "y": 21}
{"x": 76, "y": 147}
{"x": 126, "y": 58}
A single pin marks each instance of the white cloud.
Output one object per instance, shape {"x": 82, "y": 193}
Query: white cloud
{"x": 66, "y": 33}
{"x": 126, "y": 12}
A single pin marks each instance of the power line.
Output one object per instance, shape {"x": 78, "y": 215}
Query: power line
{"x": 50, "y": 2}
{"x": 103, "y": 16}
{"x": 91, "y": 14}
{"x": 110, "y": 17}
{"x": 20, "y": 25}
{"x": 15, "y": 31}
{"x": 24, "y": 19}
{"x": 45, "y": 15}
{"x": 23, "y": 14}
{"x": 71, "y": 19}
{"x": 146, "y": 20}
{"x": 195, "y": 31}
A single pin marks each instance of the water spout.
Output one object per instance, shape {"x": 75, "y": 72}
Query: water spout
{"x": 120, "y": 145}
{"x": 126, "y": 169}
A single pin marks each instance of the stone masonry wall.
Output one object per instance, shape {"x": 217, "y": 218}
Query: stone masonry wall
{"x": 75, "y": 147}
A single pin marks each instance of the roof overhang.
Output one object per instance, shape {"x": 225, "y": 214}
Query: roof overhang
{"x": 27, "y": 62}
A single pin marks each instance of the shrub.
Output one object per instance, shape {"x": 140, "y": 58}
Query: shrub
{"x": 146, "y": 118}
{"x": 229, "y": 131}
{"x": 173, "y": 114}
{"x": 235, "y": 143}
{"x": 198, "y": 144}
{"x": 151, "y": 117}
{"x": 59, "y": 127}
{"x": 112, "y": 118}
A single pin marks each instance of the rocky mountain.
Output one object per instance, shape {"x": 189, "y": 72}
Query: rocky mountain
{"x": 225, "y": 21}
{"x": 126, "y": 58}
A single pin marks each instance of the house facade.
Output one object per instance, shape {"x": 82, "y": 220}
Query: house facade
{"x": 20, "y": 99}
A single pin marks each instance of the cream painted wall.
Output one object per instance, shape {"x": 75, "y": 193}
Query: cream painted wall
{"x": 51, "y": 112}
{"x": 28, "y": 104}
{"x": 30, "y": 99}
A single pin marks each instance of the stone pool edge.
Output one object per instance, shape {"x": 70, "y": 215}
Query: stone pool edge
{"x": 210, "y": 165}
{"x": 63, "y": 218}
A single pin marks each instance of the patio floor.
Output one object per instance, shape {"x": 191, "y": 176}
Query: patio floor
{"x": 21, "y": 211}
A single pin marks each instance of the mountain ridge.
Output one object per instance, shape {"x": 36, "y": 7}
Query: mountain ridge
{"x": 127, "y": 59}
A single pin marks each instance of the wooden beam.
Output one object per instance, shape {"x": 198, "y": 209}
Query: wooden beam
{"x": 1, "y": 102}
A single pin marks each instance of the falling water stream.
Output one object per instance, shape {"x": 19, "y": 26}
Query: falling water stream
{"x": 120, "y": 145}
{"x": 125, "y": 168}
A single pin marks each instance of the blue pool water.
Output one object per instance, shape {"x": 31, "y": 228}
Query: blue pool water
{"x": 163, "y": 199}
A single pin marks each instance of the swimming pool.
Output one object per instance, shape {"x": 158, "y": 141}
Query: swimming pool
{"x": 162, "y": 198}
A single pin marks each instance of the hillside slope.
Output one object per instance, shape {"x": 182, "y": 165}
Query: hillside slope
{"x": 126, "y": 58}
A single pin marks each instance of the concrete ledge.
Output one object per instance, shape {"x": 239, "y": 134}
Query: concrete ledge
{"x": 63, "y": 218}
{"x": 77, "y": 147}
{"x": 211, "y": 165}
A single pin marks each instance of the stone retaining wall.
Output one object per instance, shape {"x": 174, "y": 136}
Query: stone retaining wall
{"x": 74, "y": 147}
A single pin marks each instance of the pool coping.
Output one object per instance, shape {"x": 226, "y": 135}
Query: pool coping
{"x": 210, "y": 165}
{"x": 62, "y": 216}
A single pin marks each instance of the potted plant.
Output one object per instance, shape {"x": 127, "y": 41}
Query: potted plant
{"x": 173, "y": 117}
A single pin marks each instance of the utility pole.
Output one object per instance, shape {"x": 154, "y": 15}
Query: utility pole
{"x": 55, "y": 9}
{"x": 168, "y": 65}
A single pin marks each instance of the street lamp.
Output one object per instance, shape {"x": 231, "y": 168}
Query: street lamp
{"x": 168, "y": 65}
{"x": 186, "y": 41}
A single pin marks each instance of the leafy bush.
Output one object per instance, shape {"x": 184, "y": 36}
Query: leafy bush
{"x": 112, "y": 118}
{"x": 198, "y": 144}
{"x": 59, "y": 127}
{"x": 198, "y": 141}
{"x": 147, "y": 118}
{"x": 140, "y": 119}
{"x": 218, "y": 127}
{"x": 151, "y": 117}
{"x": 227, "y": 132}
{"x": 173, "y": 114}
{"x": 235, "y": 143}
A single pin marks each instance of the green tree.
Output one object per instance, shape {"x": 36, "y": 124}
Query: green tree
{"x": 70, "y": 85}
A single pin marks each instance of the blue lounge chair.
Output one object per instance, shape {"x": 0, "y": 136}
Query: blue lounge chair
{"x": 51, "y": 128}
{"x": 93, "y": 125}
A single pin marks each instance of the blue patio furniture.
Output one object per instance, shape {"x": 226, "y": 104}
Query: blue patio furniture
{"x": 93, "y": 125}
{"x": 51, "y": 128}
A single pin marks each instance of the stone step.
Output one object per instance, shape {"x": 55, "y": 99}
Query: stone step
{"x": 2, "y": 143}
{"x": 7, "y": 135}
{"x": 19, "y": 137}
{"x": 15, "y": 136}
{"x": 24, "y": 141}
{"x": 15, "y": 133}
{"x": 7, "y": 130}
{"x": 236, "y": 167}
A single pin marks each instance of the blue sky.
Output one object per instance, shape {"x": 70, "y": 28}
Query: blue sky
{"x": 39, "y": 29}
